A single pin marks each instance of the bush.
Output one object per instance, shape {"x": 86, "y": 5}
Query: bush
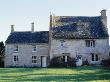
{"x": 71, "y": 62}
{"x": 56, "y": 62}
{"x": 106, "y": 63}
{"x": 86, "y": 63}
{"x": 59, "y": 62}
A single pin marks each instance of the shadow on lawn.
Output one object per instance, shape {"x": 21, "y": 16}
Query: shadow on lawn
{"x": 68, "y": 77}
{"x": 23, "y": 70}
{"x": 82, "y": 68}
{"x": 45, "y": 76}
{"x": 60, "y": 77}
{"x": 17, "y": 70}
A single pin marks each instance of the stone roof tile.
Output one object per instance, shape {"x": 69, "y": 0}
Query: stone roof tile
{"x": 28, "y": 37}
{"x": 69, "y": 27}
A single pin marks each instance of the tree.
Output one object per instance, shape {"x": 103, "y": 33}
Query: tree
{"x": 2, "y": 50}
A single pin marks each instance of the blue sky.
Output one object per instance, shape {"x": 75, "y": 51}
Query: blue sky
{"x": 22, "y": 12}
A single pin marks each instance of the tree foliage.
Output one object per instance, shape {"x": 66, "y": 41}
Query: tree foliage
{"x": 2, "y": 48}
{"x": 106, "y": 63}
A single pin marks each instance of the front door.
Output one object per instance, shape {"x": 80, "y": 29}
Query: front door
{"x": 43, "y": 61}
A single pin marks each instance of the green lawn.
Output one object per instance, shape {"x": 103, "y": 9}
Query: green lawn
{"x": 82, "y": 74}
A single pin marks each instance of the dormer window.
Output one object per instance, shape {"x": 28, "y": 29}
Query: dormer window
{"x": 16, "y": 48}
{"x": 90, "y": 43}
{"x": 34, "y": 48}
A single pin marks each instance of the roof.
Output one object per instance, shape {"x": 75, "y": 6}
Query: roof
{"x": 78, "y": 27}
{"x": 28, "y": 37}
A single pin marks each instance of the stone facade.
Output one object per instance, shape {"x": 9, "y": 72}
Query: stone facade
{"x": 25, "y": 54}
{"x": 76, "y": 47}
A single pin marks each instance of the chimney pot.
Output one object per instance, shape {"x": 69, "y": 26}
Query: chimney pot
{"x": 32, "y": 28}
{"x": 12, "y": 28}
{"x": 103, "y": 13}
{"x": 104, "y": 17}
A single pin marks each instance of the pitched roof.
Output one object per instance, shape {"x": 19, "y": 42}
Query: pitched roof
{"x": 28, "y": 37}
{"x": 70, "y": 27}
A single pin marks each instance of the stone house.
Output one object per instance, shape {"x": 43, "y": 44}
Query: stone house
{"x": 27, "y": 49}
{"x": 80, "y": 37}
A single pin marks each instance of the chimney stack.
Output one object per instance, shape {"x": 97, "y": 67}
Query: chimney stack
{"x": 104, "y": 17}
{"x": 103, "y": 13}
{"x": 50, "y": 21}
{"x": 12, "y": 28}
{"x": 32, "y": 28}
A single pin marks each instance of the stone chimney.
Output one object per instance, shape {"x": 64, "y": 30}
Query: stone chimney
{"x": 12, "y": 28}
{"x": 103, "y": 13}
{"x": 104, "y": 17}
{"x": 32, "y": 27}
{"x": 50, "y": 20}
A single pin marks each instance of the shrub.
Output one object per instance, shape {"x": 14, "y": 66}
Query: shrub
{"x": 71, "y": 62}
{"x": 59, "y": 62}
{"x": 56, "y": 62}
{"x": 86, "y": 62}
{"x": 106, "y": 63}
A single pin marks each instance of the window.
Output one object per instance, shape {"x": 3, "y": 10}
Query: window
{"x": 34, "y": 59}
{"x": 95, "y": 57}
{"x": 109, "y": 53}
{"x": 90, "y": 43}
{"x": 62, "y": 42}
{"x": 79, "y": 56}
{"x": 15, "y": 48}
{"x": 34, "y": 49}
{"x": 65, "y": 58}
{"x": 15, "y": 59}
{"x": 92, "y": 57}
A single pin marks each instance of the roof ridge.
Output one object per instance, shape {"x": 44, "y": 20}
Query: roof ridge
{"x": 30, "y": 31}
{"x": 77, "y": 16}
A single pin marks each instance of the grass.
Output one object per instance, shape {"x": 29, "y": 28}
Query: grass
{"x": 78, "y": 74}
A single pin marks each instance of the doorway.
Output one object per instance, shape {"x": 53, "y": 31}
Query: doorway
{"x": 43, "y": 61}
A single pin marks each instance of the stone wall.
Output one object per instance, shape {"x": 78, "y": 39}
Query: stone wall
{"x": 76, "y": 47}
{"x": 59, "y": 47}
{"x": 25, "y": 54}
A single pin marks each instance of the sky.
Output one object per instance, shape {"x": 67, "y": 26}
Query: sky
{"x": 22, "y": 13}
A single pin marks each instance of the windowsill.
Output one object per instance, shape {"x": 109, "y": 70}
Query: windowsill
{"x": 34, "y": 63}
{"x": 15, "y": 62}
{"x": 34, "y": 51}
{"x": 95, "y": 61}
{"x": 15, "y": 51}
{"x": 90, "y": 46}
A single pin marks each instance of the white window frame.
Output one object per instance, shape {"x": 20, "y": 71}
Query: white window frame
{"x": 34, "y": 58}
{"x": 90, "y": 43}
{"x": 95, "y": 57}
{"x": 16, "y": 48}
{"x": 15, "y": 59}
{"x": 34, "y": 48}
{"x": 66, "y": 59}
